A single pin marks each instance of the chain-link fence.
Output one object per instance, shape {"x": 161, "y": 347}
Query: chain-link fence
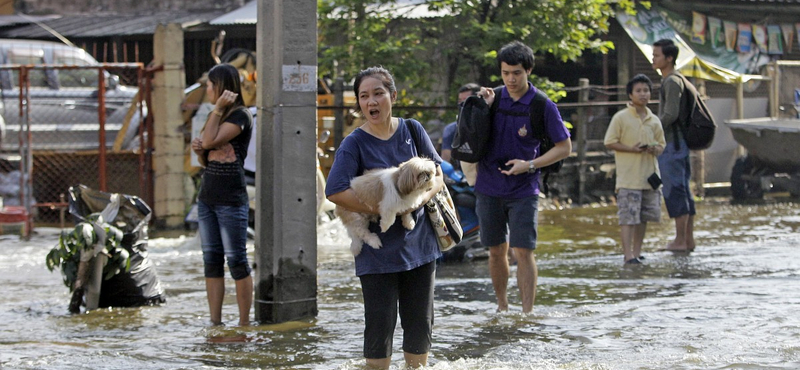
{"x": 54, "y": 119}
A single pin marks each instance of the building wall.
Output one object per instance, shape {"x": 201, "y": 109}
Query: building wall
{"x": 119, "y": 6}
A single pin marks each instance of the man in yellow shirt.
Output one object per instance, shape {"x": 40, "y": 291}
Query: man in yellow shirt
{"x": 637, "y": 138}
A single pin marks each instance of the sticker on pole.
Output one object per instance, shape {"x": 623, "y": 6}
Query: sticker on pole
{"x": 299, "y": 78}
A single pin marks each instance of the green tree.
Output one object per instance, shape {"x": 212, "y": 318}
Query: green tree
{"x": 463, "y": 41}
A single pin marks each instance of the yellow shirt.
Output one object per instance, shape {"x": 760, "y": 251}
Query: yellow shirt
{"x": 627, "y": 128}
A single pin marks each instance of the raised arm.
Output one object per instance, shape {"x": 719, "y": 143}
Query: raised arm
{"x": 215, "y": 133}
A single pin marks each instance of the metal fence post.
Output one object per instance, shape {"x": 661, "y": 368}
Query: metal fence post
{"x": 26, "y": 154}
{"x": 583, "y": 97}
{"x": 338, "y": 114}
{"x": 101, "y": 118}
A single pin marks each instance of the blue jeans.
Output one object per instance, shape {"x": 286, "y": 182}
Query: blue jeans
{"x": 223, "y": 234}
{"x": 676, "y": 171}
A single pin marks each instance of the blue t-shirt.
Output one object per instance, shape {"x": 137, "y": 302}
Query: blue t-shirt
{"x": 448, "y": 134}
{"x": 402, "y": 249}
{"x": 512, "y": 138}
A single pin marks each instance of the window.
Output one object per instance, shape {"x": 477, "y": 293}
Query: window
{"x": 75, "y": 77}
{"x": 23, "y": 56}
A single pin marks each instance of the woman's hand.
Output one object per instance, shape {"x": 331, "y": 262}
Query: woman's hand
{"x": 438, "y": 184}
{"x": 225, "y": 100}
{"x": 197, "y": 146}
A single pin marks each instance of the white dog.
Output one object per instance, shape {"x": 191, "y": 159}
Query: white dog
{"x": 390, "y": 191}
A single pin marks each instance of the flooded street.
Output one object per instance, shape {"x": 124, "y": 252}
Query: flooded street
{"x": 732, "y": 304}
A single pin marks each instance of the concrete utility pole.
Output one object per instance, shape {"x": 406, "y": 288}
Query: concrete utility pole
{"x": 286, "y": 237}
{"x": 170, "y": 196}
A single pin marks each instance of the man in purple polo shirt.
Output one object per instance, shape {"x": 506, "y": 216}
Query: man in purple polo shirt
{"x": 507, "y": 186}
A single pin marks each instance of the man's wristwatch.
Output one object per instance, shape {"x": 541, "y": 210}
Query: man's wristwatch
{"x": 531, "y": 167}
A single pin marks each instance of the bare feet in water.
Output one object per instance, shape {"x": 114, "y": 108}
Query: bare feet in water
{"x": 674, "y": 247}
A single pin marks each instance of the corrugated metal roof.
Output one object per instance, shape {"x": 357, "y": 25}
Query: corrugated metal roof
{"x": 413, "y": 9}
{"x": 109, "y": 25}
{"x": 248, "y": 14}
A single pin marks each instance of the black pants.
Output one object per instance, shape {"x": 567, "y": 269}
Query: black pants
{"x": 412, "y": 292}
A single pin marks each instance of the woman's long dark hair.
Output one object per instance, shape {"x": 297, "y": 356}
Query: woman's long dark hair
{"x": 226, "y": 77}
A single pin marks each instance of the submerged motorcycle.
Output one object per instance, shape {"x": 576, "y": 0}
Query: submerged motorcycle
{"x": 470, "y": 247}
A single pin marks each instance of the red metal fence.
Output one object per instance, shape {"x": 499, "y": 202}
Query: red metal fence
{"x": 55, "y": 118}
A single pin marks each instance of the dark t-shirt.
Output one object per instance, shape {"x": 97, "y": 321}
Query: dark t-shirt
{"x": 402, "y": 250}
{"x": 223, "y": 179}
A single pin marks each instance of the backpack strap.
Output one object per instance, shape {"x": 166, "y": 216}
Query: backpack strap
{"x": 498, "y": 91}
{"x": 538, "y": 105}
{"x": 683, "y": 117}
{"x": 413, "y": 133}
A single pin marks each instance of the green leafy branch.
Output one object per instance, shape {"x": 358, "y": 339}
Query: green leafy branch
{"x": 83, "y": 239}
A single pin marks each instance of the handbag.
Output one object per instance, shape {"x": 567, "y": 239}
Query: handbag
{"x": 441, "y": 212}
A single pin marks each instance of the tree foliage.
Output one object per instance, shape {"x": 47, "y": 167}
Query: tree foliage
{"x": 463, "y": 42}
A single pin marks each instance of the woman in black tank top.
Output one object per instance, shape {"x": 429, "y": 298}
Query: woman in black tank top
{"x": 222, "y": 202}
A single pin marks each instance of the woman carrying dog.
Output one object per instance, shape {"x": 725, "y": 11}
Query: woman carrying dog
{"x": 222, "y": 204}
{"x": 401, "y": 272}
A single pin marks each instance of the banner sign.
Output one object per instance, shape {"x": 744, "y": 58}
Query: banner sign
{"x": 707, "y": 57}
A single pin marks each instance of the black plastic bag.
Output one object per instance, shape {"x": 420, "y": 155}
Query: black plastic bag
{"x": 140, "y": 285}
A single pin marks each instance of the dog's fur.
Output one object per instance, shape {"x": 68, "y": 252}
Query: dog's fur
{"x": 390, "y": 191}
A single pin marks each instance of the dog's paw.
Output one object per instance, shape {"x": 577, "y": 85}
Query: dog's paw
{"x": 386, "y": 223}
{"x": 409, "y": 223}
{"x": 355, "y": 247}
{"x": 374, "y": 241}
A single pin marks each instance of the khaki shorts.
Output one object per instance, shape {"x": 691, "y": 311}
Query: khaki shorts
{"x": 638, "y": 206}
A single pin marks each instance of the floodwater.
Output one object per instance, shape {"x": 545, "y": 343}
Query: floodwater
{"x": 732, "y": 304}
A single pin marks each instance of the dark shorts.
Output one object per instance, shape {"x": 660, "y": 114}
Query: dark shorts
{"x": 676, "y": 171}
{"x": 411, "y": 292}
{"x": 503, "y": 219}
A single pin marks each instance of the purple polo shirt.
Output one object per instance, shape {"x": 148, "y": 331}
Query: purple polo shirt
{"x": 512, "y": 138}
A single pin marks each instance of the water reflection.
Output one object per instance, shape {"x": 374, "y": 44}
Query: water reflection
{"x": 730, "y": 304}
